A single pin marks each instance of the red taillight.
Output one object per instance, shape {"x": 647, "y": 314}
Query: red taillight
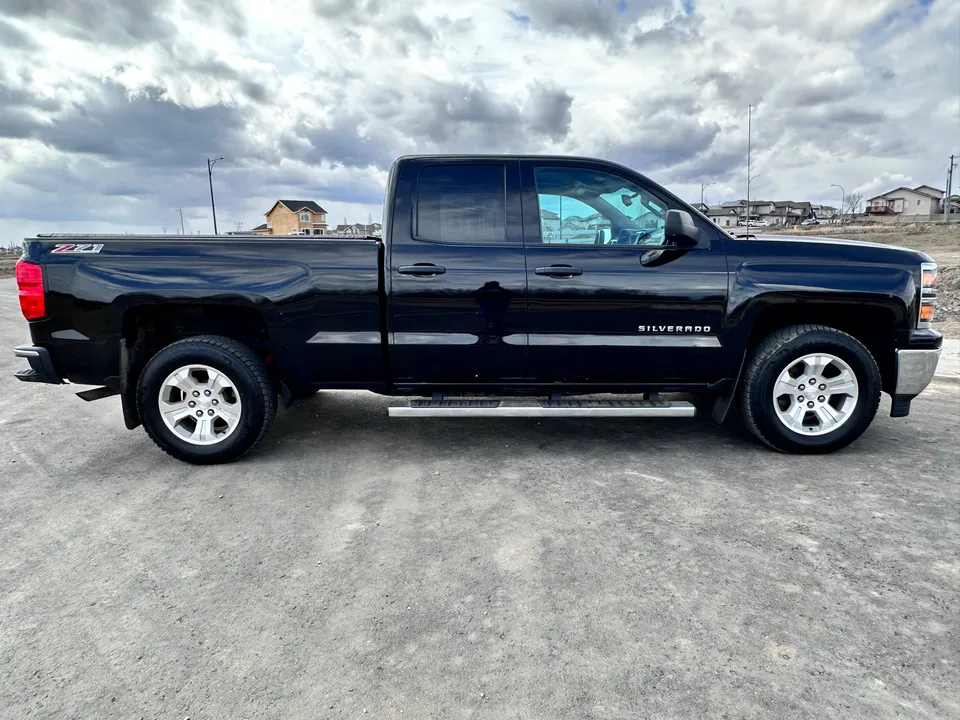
{"x": 30, "y": 284}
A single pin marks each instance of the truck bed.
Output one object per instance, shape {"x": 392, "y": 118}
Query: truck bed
{"x": 320, "y": 300}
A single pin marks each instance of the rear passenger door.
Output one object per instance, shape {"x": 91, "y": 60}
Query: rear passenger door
{"x": 456, "y": 273}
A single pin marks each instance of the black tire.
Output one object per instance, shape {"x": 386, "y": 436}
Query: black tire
{"x": 774, "y": 354}
{"x": 238, "y": 362}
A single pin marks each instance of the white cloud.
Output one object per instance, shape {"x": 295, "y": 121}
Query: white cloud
{"x": 108, "y": 108}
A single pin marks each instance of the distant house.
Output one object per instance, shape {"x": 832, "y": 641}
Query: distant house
{"x": 549, "y": 225}
{"x": 773, "y": 212}
{"x": 921, "y": 200}
{"x": 358, "y": 230}
{"x": 825, "y": 213}
{"x": 294, "y": 217}
{"x": 725, "y": 215}
{"x": 788, "y": 212}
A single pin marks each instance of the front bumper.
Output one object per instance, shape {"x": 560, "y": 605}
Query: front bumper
{"x": 915, "y": 370}
{"x": 41, "y": 365}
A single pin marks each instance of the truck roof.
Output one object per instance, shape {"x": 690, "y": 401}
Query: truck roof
{"x": 520, "y": 156}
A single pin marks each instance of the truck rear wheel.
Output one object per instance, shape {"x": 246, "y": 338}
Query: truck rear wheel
{"x": 206, "y": 399}
{"x": 810, "y": 389}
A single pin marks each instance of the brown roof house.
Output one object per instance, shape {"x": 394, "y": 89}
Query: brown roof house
{"x": 294, "y": 217}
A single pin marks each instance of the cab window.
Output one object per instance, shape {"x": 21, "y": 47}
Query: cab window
{"x": 580, "y": 206}
{"x": 462, "y": 204}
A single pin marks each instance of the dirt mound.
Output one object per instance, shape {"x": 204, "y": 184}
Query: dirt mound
{"x": 948, "y": 292}
{"x": 7, "y": 264}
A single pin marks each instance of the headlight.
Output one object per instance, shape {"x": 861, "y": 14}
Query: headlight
{"x": 928, "y": 294}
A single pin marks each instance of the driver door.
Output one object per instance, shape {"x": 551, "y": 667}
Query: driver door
{"x": 596, "y": 313}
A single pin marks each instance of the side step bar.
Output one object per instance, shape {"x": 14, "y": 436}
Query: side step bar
{"x": 541, "y": 408}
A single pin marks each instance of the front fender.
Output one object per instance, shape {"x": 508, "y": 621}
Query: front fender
{"x": 757, "y": 286}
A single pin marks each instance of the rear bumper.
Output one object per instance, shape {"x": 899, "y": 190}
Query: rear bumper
{"x": 41, "y": 365}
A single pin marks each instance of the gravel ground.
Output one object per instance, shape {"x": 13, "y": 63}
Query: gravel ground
{"x": 355, "y": 566}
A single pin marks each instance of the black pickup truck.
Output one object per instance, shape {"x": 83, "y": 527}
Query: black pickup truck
{"x": 503, "y": 286}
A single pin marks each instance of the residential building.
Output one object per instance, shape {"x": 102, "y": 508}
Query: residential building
{"x": 825, "y": 213}
{"x": 549, "y": 225}
{"x": 294, "y": 217}
{"x": 921, "y": 200}
{"x": 724, "y": 216}
{"x": 358, "y": 230}
{"x": 773, "y": 212}
{"x": 788, "y": 212}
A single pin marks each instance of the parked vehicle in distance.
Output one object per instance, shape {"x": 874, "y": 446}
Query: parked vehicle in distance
{"x": 486, "y": 297}
{"x": 810, "y": 221}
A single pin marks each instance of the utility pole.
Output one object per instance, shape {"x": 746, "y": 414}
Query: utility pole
{"x": 182, "y": 231}
{"x": 704, "y": 186}
{"x": 749, "y": 131}
{"x": 946, "y": 196}
{"x": 164, "y": 228}
{"x": 213, "y": 207}
{"x": 843, "y": 199}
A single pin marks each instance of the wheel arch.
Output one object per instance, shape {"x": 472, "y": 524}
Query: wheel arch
{"x": 146, "y": 329}
{"x": 874, "y": 325}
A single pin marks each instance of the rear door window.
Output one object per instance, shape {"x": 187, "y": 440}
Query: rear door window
{"x": 462, "y": 204}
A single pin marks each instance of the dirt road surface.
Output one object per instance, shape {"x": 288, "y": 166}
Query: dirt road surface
{"x": 355, "y": 566}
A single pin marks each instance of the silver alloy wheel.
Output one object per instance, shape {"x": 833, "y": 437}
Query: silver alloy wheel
{"x": 200, "y": 404}
{"x": 815, "y": 394}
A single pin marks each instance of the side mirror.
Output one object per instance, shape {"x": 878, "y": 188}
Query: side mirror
{"x": 680, "y": 230}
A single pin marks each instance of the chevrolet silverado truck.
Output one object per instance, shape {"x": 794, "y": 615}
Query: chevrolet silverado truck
{"x": 502, "y": 286}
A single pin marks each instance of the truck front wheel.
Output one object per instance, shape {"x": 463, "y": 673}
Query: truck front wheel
{"x": 206, "y": 399}
{"x": 810, "y": 389}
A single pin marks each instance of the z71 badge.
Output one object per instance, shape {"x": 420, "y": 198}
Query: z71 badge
{"x": 78, "y": 248}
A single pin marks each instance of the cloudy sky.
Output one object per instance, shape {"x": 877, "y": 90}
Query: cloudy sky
{"x": 109, "y": 108}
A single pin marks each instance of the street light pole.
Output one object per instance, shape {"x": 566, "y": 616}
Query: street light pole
{"x": 749, "y": 132}
{"x": 750, "y": 181}
{"x": 704, "y": 186}
{"x": 213, "y": 206}
{"x": 843, "y": 199}
{"x": 182, "y": 231}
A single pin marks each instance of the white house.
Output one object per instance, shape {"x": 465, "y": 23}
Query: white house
{"x": 725, "y": 215}
{"x": 922, "y": 200}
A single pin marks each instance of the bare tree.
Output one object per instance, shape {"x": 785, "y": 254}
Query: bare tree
{"x": 852, "y": 202}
